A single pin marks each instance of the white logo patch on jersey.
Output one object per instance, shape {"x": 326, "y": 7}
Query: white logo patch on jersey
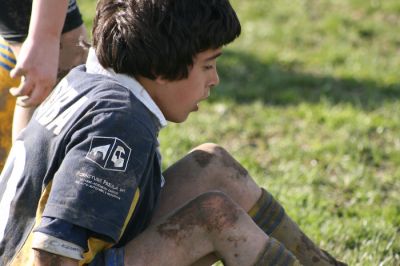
{"x": 109, "y": 153}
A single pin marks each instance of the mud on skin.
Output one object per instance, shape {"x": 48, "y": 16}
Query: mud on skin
{"x": 204, "y": 158}
{"x": 48, "y": 258}
{"x": 213, "y": 212}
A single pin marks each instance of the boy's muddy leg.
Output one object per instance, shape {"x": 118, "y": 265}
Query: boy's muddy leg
{"x": 211, "y": 222}
{"x": 208, "y": 168}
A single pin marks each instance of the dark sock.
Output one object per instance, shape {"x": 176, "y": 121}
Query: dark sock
{"x": 275, "y": 254}
{"x": 267, "y": 213}
{"x": 270, "y": 216}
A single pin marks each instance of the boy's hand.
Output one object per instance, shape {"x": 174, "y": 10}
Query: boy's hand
{"x": 37, "y": 65}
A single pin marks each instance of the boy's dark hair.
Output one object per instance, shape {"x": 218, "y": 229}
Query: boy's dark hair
{"x": 153, "y": 38}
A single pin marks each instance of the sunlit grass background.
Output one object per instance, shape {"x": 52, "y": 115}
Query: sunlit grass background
{"x": 309, "y": 102}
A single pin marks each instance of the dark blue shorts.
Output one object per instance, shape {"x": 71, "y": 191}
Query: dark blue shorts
{"x": 15, "y": 17}
{"x": 109, "y": 257}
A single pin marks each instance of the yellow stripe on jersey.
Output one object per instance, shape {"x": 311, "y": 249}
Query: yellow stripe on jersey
{"x": 7, "y": 105}
{"x": 25, "y": 255}
{"x": 131, "y": 210}
{"x": 96, "y": 245}
{"x": 7, "y": 101}
{"x": 7, "y": 58}
{"x": 7, "y": 62}
{"x": 7, "y": 53}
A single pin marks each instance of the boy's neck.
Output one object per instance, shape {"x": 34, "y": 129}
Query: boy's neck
{"x": 149, "y": 85}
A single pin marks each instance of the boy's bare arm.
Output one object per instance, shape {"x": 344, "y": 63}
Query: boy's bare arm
{"x": 43, "y": 258}
{"x": 43, "y": 42}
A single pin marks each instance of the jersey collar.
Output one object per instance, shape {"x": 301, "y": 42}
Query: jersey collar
{"x": 94, "y": 67}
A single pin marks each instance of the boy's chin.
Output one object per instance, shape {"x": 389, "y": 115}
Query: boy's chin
{"x": 178, "y": 119}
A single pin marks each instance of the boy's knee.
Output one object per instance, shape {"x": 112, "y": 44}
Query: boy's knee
{"x": 73, "y": 51}
{"x": 216, "y": 158}
{"x": 212, "y": 211}
{"x": 204, "y": 154}
{"x": 208, "y": 147}
{"x": 217, "y": 211}
{"x": 212, "y": 149}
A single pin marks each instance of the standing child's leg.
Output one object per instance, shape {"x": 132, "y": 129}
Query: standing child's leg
{"x": 209, "y": 167}
{"x": 73, "y": 50}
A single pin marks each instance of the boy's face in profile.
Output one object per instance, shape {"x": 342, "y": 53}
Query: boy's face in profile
{"x": 177, "y": 99}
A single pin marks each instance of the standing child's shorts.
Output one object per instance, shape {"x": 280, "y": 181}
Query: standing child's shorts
{"x": 7, "y": 101}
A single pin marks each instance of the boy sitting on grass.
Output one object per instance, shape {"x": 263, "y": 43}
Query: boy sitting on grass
{"x": 83, "y": 183}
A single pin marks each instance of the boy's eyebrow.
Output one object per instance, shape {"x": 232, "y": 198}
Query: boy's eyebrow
{"x": 213, "y": 56}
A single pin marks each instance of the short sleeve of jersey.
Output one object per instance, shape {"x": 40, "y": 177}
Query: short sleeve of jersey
{"x": 96, "y": 185}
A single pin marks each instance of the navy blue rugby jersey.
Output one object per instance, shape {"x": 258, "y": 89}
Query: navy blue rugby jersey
{"x": 89, "y": 157}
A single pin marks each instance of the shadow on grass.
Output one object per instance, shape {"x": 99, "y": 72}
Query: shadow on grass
{"x": 245, "y": 79}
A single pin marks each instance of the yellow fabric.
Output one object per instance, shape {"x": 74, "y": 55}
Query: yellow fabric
{"x": 25, "y": 256}
{"x": 7, "y": 102}
{"x": 260, "y": 202}
{"x": 96, "y": 245}
{"x": 131, "y": 209}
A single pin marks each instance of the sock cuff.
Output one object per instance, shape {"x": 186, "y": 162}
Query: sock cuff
{"x": 267, "y": 213}
{"x": 275, "y": 254}
{"x": 260, "y": 202}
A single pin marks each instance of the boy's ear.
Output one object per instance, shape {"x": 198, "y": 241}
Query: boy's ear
{"x": 160, "y": 80}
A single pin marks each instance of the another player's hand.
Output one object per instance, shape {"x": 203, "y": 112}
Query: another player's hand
{"x": 37, "y": 65}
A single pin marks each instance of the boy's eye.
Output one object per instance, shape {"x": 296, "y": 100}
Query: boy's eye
{"x": 208, "y": 67}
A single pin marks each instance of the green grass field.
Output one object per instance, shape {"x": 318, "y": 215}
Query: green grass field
{"x": 309, "y": 102}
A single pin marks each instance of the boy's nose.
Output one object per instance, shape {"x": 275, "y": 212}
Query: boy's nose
{"x": 215, "y": 79}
